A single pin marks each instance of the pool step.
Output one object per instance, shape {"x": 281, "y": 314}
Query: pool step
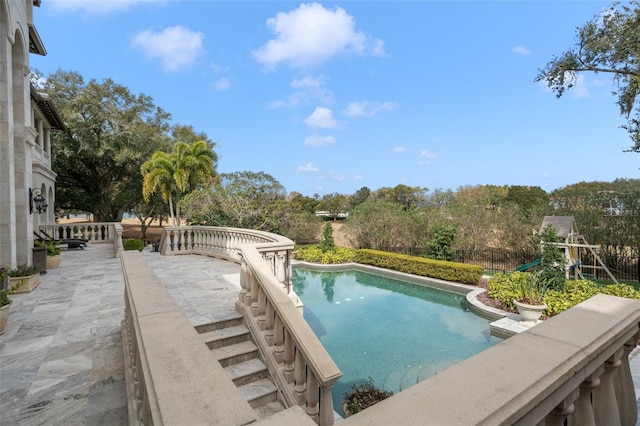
{"x": 231, "y": 343}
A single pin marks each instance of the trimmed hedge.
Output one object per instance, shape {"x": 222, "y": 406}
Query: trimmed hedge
{"x": 133, "y": 244}
{"x": 315, "y": 254}
{"x": 440, "y": 269}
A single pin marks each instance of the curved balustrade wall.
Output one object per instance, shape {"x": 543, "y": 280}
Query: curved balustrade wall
{"x": 226, "y": 243}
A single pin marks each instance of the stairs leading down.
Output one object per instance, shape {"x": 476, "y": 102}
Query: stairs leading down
{"x": 231, "y": 344}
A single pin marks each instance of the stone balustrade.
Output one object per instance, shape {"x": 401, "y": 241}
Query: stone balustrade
{"x": 300, "y": 366}
{"x": 94, "y": 232}
{"x": 171, "y": 377}
{"x": 226, "y": 243}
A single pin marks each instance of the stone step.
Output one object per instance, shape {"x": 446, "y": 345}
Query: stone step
{"x": 225, "y": 336}
{"x": 247, "y": 371}
{"x": 268, "y": 409}
{"x": 230, "y": 321}
{"x": 235, "y": 353}
{"x": 259, "y": 393}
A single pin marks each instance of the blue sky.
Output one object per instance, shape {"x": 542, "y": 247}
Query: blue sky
{"x": 333, "y": 96}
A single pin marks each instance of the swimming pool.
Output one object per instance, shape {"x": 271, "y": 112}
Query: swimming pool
{"x": 395, "y": 332}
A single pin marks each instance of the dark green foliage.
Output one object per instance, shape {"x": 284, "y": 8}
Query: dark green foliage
{"x": 4, "y": 298}
{"x": 327, "y": 242}
{"x": 363, "y": 396}
{"x": 440, "y": 246}
{"x": 450, "y": 271}
{"x": 24, "y": 271}
{"x": 552, "y": 261}
{"x": 133, "y": 244}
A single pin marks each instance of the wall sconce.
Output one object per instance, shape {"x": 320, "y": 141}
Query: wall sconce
{"x": 37, "y": 202}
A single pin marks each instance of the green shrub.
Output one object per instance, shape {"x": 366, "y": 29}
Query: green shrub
{"x": 449, "y": 271}
{"x": 24, "y": 270}
{"x": 504, "y": 288}
{"x": 52, "y": 247}
{"x": 133, "y": 244}
{"x": 4, "y": 298}
{"x": 315, "y": 254}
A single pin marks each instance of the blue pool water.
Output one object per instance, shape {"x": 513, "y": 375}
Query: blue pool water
{"x": 395, "y": 332}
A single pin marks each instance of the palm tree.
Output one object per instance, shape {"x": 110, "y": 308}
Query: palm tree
{"x": 186, "y": 168}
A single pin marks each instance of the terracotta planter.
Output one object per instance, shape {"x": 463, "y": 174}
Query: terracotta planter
{"x": 24, "y": 284}
{"x": 4, "y": 317}
{"x": 530, "y": 313}
{"x": 53, "y": 261}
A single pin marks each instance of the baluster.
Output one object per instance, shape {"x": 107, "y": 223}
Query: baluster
{"x": 262, "y": 307}
{"x": 312, "y": 396}
{"x": 254, "y": 294}
{"x": 244, "y": 282}
{"x": 624, "y": 388}
{"x": 171, "y": 239}
{"x": 290, "y": 357}
{"x": 559, "y": 414}
{"x": 278, "y": 349}
{"x": 326, "y": 406}
{"x": 583, "y": 415}
{"x": 605, "y": 404}
{"x": 269, "y": 321}
{"x": 299, "y": 374}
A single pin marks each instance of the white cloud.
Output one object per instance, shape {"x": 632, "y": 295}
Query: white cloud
{"x": 175, "y": 47}
{"x": 521, "y": 50}
{"x": 309, "y": 167}
{"x": 307, "y": 88}
{"x": 96, "y": 7}
{"x": 426, "y": 157}
{"x": 311, "y": 35}
{"x": 221, "y": 84}
{"x": 358, "y": 177}
{"x": 317, "y": 140}
{"x": 368, "y": 109}
{"x": 321, "y": 118}
{"x": 399, "y": 149}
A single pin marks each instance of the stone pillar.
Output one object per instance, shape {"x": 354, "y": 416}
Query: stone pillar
{"x": 7, "y": 172}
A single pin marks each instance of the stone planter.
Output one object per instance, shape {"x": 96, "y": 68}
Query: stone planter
{"x": 53, "y": 261}
{"x": 4, "y": 317}
{"x": 530, "y": 313}
{"x": 23, "y": 284}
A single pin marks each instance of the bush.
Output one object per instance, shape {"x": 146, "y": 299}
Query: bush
{"x": 24, "y": 271}
{"x": 4, "y": 298}
{"x": 504, "y": 288}
{"x": 52, "y": 247}
{"x": 315, "y": 254}
{"x": 133, "y": 244}
{"x": 363, "y": 396}
{"x": 440, "y": 269}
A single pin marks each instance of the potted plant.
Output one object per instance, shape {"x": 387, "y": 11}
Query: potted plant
{"x": 53, "y": 253}
{"x": 23, "y": 278}
{"x": 529, "y": 299}
{"x": 5, "y": 302}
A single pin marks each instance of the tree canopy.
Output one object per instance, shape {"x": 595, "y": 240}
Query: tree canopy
{"x": 609, "y": 43}
{"x": 109, "y": 133}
